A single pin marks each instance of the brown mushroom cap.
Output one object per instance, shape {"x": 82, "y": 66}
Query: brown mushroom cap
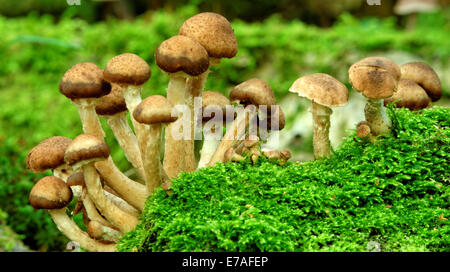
{"x": 84, "y": 80}
{"x": 154, "y": 109}
{"x": 255, "y": 92}
{"x": 375, "y": 77}
{"x": 362, "y": 129}
{"x": 213, "y": 32}
{"x": 321, "y": 88}
{"x": 111, "y": 103}
{"x": 127, "y": 68}
{"x": 48, "y": 154}
{"x": 181, "y": 53}
{"x": 425, "y": 76}
{"x": 76, "y": 179}
{"x": 86, "y": 147}
{"x": 50, "y": 193}
{"x": 212, "y": 102}
{"x": 409, "y": 95}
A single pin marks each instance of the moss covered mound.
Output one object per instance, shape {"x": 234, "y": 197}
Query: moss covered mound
{"x": 393, "y": 194}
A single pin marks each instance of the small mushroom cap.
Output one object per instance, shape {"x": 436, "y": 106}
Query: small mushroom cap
{"x": 76, "y": 179}
{"x": 255, "y": 92}
{"x": 405, "y": 7}
{"x": 84, "y": 80}
{"x": 50, "y": 193}
{"x": 425, "y": 76}
{"x": 375, "y": 77}
{"x": 182, "y": 54}
{"x": 321, "y": 88}
{"x": 111, "y": 103}
{"x": 409, "y": 95}
{"x": 213, "y": 102}
{"x": 154, "y": 109}
{"x": 127, "y": 69}
{"x": 362, "y": 129}
{"x": 213, "y": 32}
{"x": 86, "y": 147}
{"x": 48, "y": 154}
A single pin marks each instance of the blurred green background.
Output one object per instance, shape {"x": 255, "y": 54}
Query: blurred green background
{"x": 279, "y": 41}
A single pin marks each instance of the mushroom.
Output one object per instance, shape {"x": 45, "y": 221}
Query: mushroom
{"x": 53, "y": 194}
{"x": 253, "y": 94}
{"x": 422, "y": 74}
{"x": 409, "y": 95}
{"x": 363, "y": 131}
{"x": 376, "y": 78}
{"x": 231, "y": 156}
{"x": 114, "y": 109}
{"x": 214, "y": 108}
{"x": 413, "y": 7}
{"x": 325, "y": 92}
{"x": 130, "y": 71}
{"x": 83, "y": 152}
{"x": 215, "y": 34}
{"x": 99, "y": 231}
{"x": 154, "y": 111}
{"x": 83, "y": 83}
{"x": 49, "y": 154}
{"x": 181, "y": 57}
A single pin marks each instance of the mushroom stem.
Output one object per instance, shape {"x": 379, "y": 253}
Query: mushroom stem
{"x": 88, "y": 116}
{"x": 235, "y": 133}
{"x": 74, "y": 233}
{"x": 122, "y": 204}
{"x": 63, "y": 172}
{"x": 152, "y": 163}
{"x": 99, "y": 231}
{"x": 174, "y": 155}
{"x": 91, "y": 210}
{"x": 126, "y": 139}
{"x": 124, "y": 221}
{"x": 210, "y": 145}
{"x": 321, "y": 141}
{"x": 376, "y": 116}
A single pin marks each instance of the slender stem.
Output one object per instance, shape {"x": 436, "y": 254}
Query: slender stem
{"x": 91, "y": 210}
{"x": 124, "y": 221}
{"x": 74, "y": 233}
{"x": 321, "y": 141}
{"x": 152, "y": 160}
{"x": 376, "y": 116}
{"x": 210, "y": 144}
{"x": 88, "y": 116}
{"x": 126, "y": 139}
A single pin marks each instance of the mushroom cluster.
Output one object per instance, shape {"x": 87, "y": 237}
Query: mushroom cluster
{"x": 159, "y": 142}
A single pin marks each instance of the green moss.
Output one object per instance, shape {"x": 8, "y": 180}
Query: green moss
{"x": 392, "y": 192}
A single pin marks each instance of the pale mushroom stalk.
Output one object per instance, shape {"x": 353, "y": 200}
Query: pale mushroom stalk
{"x": 210, "y": 144}
{"x": 88, "y": 116}
{"x": 321, "y": 141}
{"x": 152, "y": 164}
{"x": 99, "y": 231}
{"x": 376, "y": 116}
{"x": 122, "y": 204}
{"x": 91, "y": 210}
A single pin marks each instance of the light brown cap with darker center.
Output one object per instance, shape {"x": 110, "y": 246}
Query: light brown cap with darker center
{"x": 182, "y": 54}
{"x": 48, "y": 154}
{"x": 253, "y": 91}
{"x": 321, "y": 88}
{"x": 84, "y": 80}
{"x": 213, "y": 32}
{"x": 409, "y": 95}
{"x": 425, "y": 76}
{"x": 375, "y": 77}
{"x": 213, "y": 103}
{"x": 86, "y": 147}
{"x": 127, "y": 68}
{"x": 154, "y": 109}
{"x": 50, "y": 193}
{"x": 111, "y": 103}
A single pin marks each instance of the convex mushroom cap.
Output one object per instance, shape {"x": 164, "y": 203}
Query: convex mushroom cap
{"x": 182, "y": 54}
{"x": 111, "y": 103}
{"x": 50, "y": 193}
{"x": 86, "y": 148}
{"x": 425, "y": 76}
{"x": 48, "y": 154}
{"x": 213, "y": 102}
{"x": 213, "y": 32}
{"x": 255, "y": 92}
{"x": 322, "y": 89}
{"x": 154, "y": 109}
{"x": 84, "y": 80}
{"x": 127, "y": 68}
{"x": 375, "y": 77}
{"x": 409, "y": 95}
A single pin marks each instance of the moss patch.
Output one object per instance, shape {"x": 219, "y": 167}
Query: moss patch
{"x": 394, "y": 193}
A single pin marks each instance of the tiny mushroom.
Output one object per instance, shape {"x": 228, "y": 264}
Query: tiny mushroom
{"x": 83, "y": 152}
{"x": 154, "y": 111}
{"x": 54, "y": 195}
{"x": 181, "y": 57}
{"x": 409, "y": 95}
{"x": 325, "y": 92}
{"x": 377, "y": 79}
{"x": 422, "y": 74}
{"x": 101, "y": 232}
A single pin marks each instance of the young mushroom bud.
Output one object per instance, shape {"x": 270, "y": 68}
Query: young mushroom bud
{"x": 409, "y": 95}
{"x": 83, "y": 152}
{"x": 231, "y": 156}
{"x": 422, "y": 74}
{"x": 363, "y": 131}
{"x": 154, "y": 111}
{"x": 271, "y": 155}
{"x": 377, "y": 79}
{"x": 99, "y": 231}
{"x": 325, "y": 92}
{"x": 53, "y": 195}
{"x": 181, "y": 57}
